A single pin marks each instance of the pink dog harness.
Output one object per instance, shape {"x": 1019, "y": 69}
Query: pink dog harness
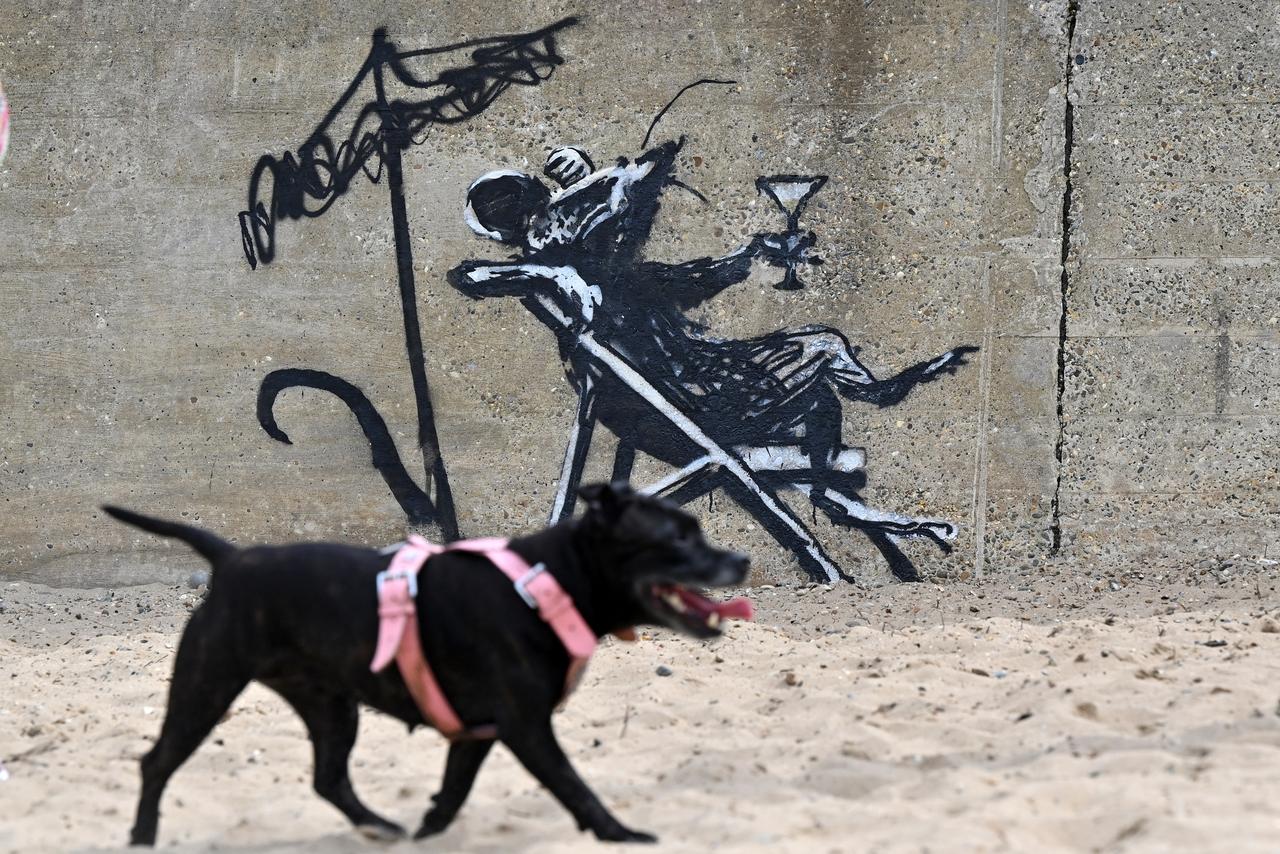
{"x": 398, "y": 636}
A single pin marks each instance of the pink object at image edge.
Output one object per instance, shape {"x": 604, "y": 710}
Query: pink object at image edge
{"x": 4, "y": 125}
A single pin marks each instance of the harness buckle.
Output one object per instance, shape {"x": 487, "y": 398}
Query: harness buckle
{"x": 393, "y": 574}
{"x": 523, "y": 582}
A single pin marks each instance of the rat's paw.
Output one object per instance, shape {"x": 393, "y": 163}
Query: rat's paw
{"x": 949, "y": 361}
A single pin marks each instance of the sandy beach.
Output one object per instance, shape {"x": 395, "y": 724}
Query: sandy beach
{"x": 1054, "y": 716}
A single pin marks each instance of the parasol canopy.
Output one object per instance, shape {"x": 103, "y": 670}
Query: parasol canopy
{"x": 445, "y": 85}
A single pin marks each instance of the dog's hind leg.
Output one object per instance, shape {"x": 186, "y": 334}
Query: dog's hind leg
{"x": 534, "y": 744}
{"x": 206, "y": 680}
{"x": 332, "y": 721}
{"x": 460, "y": 769}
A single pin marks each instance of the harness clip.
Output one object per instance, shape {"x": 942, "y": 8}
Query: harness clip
{"x": 522, "y": 584}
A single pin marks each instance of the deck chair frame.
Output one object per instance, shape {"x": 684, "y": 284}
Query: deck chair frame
{"x": 718, "y": 467}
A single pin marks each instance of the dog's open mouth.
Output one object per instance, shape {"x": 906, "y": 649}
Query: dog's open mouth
{"x": 694, "y": 612}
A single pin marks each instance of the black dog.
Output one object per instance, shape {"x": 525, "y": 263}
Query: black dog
{"x": 302, "y": 619}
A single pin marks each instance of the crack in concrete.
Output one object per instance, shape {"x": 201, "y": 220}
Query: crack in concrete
{"x": 1068, "y": 131}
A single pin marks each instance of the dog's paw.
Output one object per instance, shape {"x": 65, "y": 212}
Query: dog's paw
{"x": 143, "y": 836}
{"x": 432, "y": 823}
{"x": 381, "y": 831}
{"x": 625, "y": 834}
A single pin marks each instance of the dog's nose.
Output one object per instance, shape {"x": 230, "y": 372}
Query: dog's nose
{"x": 741, "y": 563}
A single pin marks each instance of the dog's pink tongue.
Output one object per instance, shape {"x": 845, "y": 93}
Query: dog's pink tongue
{"x": 735, "y": 609}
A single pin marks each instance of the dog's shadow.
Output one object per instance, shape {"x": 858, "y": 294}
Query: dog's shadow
{"x": 345, "y": 842}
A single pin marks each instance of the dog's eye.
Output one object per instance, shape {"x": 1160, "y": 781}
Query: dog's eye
{"x": 675, "y": 533}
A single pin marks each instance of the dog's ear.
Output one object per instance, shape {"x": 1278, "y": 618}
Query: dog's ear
{"x": 605, "y": 498}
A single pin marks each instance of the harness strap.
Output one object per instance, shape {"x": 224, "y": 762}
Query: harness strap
{"x": 542, "y": 592}
{"x": 399, "y": 639}
{"x": 398, "y": 631}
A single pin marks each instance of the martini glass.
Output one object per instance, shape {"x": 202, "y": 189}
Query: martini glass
{"x": 791, "y": 193}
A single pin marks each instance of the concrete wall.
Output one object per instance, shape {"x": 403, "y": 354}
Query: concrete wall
{"x": 135, "y": 336}
{"x": 1173, "y": 359}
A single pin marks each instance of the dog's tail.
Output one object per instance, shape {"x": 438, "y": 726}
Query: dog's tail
{"x": 213, "y": 547}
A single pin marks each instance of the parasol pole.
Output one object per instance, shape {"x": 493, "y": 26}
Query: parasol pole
{"x": 393, "y": 142}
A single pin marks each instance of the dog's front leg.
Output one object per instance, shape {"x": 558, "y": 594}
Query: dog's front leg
{"x": 460, "y": 769}
{"x": 534, "y": 744}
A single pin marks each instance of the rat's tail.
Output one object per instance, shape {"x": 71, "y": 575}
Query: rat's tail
{"x": 213, "y": 547}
